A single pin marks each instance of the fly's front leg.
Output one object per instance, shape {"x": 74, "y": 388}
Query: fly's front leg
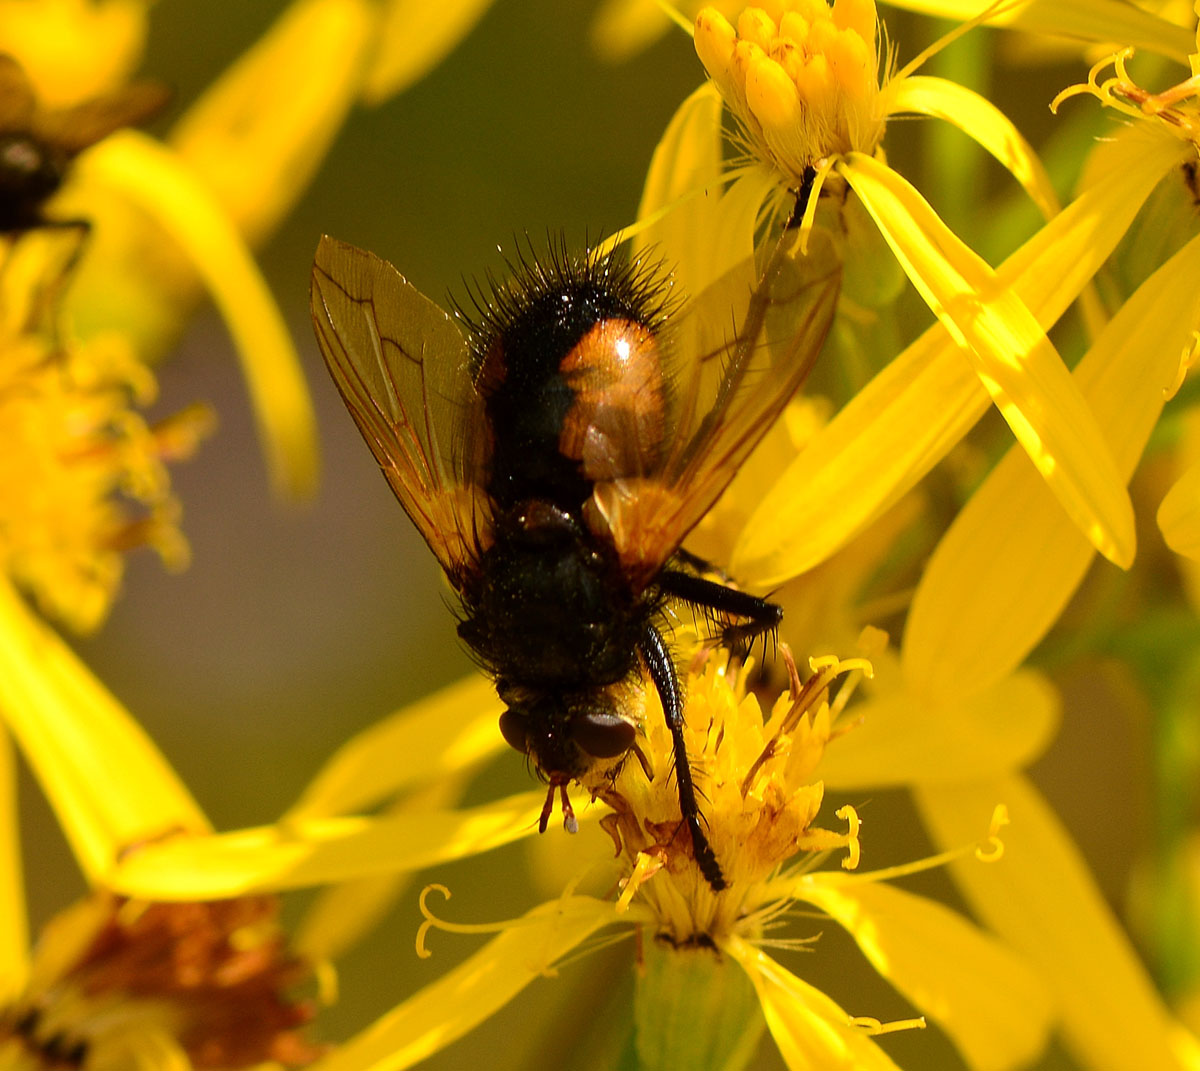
{"x": 666, "y": 681}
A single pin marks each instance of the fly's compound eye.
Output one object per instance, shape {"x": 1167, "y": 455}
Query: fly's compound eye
{"x": 513, "y": 729}
{"x": 603, "y": 734}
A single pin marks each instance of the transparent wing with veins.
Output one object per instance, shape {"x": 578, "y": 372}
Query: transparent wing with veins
{"x": 402, "y": 368}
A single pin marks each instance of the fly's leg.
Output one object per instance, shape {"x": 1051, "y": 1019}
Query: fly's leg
{"x": 758, "y": 616}
{"x": 666, "y": 681}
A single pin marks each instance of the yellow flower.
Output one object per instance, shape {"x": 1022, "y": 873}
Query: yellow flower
{"x": 624, "y": 27}
{"x": 1171, "y": 116}
{"x": 83, "y": 473}
{"x": 802, "y": 80}
{"x": 998, "y": 582}
{"x": 115, "y": 982}
{"x": 118, "y": 983}
{"x": 168, "y": 217}
{"x": 1148, "y": 24}
{"x": 758, "y": 776}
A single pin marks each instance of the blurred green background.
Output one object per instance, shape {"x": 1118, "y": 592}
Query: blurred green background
{"x": 295, "y": 627}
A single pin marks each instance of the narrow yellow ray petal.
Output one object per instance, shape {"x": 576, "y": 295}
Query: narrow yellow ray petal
{"x": 257, "y": 135}
{"x": 340, "y": 915}
{"x": 474, "y": 990}
{"x": 1179, "y": 514}
{"x": 622, "y": 28}
{"x": 812, "y": 1032}
{"x": 688, "y": 155}
{"x": 1088, "y": 20}
{"x": 414, "y": 36}
{"x": 910, "y": 415}
{"x": 140, "y": 169}
{"x": 1004, "y": 571}
{"x": 1041, "y": 899}
{"x": 985, "y": 997}
{"x": 980, "y": 119}
{"x": 1012, "y": 356}
{"x": 699, "y": 230}
{"x": 107, "y": 782}
{"x": 1002, "y": 728}
{"x": 320, "y": 850}
{"x": 14, "y": 925}
{"x": 451, "y": 730}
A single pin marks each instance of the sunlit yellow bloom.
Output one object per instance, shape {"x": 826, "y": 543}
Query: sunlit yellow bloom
{"x": 1087, "y": 20}
{"x": 238, "y": 159}
{"x": 758, "y": 776}
{"x": 1172, "y": 114}
{"x": 130, "y": 191}
{"x": 994, "y": 587}
{"x": 83, "y": 475}
{"x": 624, "y": 27}
{"x": 922, "y": 947}
{"x": 115, "y": 983}
{"x": 804, "y": 82}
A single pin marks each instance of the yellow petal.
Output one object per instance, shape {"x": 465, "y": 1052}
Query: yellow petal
{"x": 1002, "y": 728}
{"x": 1179, "y": 514}
{"x": 623, "y": 28}
{"x": 340, "y": 915}
{"x": 698, "y": 230}
{"x": 319, "y": 850}
{"x": 1041, "y": 898}
{"x": 978, "y": 118}
{"x": 474, "y": 990}
{"x": 108, "y": 784}
{"x": 413, "y": 38}
{"x": 74, "y": 50}
{"x": 812, "y": 1032}
{"x": 152, "y": 177}
{"x": 686, "y": 164}
{"x": 986, "y": 998}
{"x": 1011, "y": 354}
{"x": 1004, "y": 571}
{"x": 1089, "y": 20}
{"x": 911, "y": 414}
{"x": 257, "y": 135}
{"x": 14, "y": 926}
{"x": 449, "y": 731}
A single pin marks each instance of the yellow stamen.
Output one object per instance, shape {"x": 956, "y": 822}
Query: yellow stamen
{"x": 1187, "y": 361}
{"x": 850, "y": 816}
{"x": 648, "y": 864}
{"x": 874, "y": 1027}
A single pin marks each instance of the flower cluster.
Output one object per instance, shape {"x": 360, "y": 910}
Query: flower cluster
{"x": 954, "y": 588}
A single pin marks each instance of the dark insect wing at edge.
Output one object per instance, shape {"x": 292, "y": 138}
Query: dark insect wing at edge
{"x": 744, "y": 346}
{"x": 17, "y": 99}
{"x": 75, "y": 128}
{"x": 401, "y": 366}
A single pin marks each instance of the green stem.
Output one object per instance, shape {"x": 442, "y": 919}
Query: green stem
{"x": 694, "y": 1009}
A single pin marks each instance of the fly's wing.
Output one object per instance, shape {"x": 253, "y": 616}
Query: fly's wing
{"x": 82, "y": 125}
{"x": 402, "y": 368}
{"x": 17, "y": 101}
{"x": 742, "y": 348}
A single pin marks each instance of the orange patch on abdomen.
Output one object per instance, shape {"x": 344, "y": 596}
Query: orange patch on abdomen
{"x": 615, "y": 426}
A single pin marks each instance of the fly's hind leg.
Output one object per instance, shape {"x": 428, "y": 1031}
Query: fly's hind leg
{"x": 666, "y": 681}
{"x": 756, "y": 616}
